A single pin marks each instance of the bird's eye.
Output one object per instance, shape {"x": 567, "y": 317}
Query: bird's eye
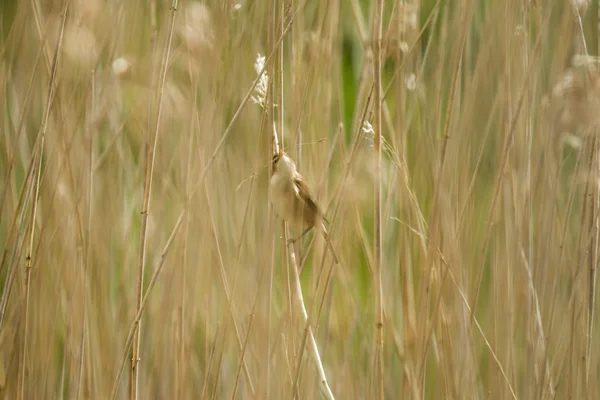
{"x": 275, "y": 159}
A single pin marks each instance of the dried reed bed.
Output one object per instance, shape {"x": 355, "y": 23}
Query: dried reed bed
{"x": 140, "y": 257}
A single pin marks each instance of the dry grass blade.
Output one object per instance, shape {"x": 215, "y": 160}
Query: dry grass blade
{"x": 138, "y": 316}
{"x": 308, "y": 331}
{"x": 378, "y": 228}
{"x": 13, "y": 151}
{"x": 38, "y": 161}
{"x": 151, "y": 146}
{"x": 505, "y": 152}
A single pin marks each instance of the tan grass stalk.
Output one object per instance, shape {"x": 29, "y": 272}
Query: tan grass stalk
{"x": 449, "y": 114}
{"x": 229, "y": 294}
{"x": 337, "y": 197}
{"x": 500, "y": 174}
{"x": 210, "y": 363}
{"x": 448, "y": 271}
{"x": 583, "y": 246}
{"x": 17, "y": 225}
{"x": 295, "y": 57}
{"x": 138, "y": 316}
{"x": 32, "y": 224}
{"x": 18, "y": 240}
{"x": 411, "y": 49}
{"x": 483, "y": 336}
{"x": 528, "y": 259}
{"x": 182, "y": 370}
{"x": 359, "y": 23}
{"x": 237, "y": 268}
{"x": 592, "y": 251}
{"x": 20, "y": 131}
{"x": 270, "y": 110}
{"x": 595, "y": 208}
{"x": 538, "y": 319}
{"x": 246, "y": 339}
{"x": 149, "y": 172}
{"x": 248, "y": 330}
{"x": 329, "y": 244}
{"x": 595, "y": 222}
{"x": 88, "y": 234}
{"x": 230, "y": 297}
{"x": 378, "y": 228}
{"x": 308, "y": 331}
{"x": 447, "y": 122}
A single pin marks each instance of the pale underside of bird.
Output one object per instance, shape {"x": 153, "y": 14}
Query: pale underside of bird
{"x": 293, "y": 201}
{"x": 291, "y": 196}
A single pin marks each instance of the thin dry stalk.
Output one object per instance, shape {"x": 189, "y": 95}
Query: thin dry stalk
{"x": 20, "y": 131}
{"x": 528, "y": 259}
{"x": 500, "y": 174}
{"x": 18, "y": 240}
{"x": 594, "y": 214}
{"x": 483, "y": 336}
{"x": 308, "y": 331}
{"x": 378, "y": 228}
{"x": 182, "y": 369}
{"x": 337, "y": 199}
{"x": 580, "y": 261}
{"x": 237, "y": 268}
{"x": 246, "y": 339}
{"x": 237, "y": 265}
{"x": 17, "y": 247}
{"x": 138, "y": 316}
{"x": 88, "y": 236}
{"x": 592, "y": 250}
{"x": 595, "y": 222}
{"x": 448, "y": 271}
{"x": 448, "y": 120}
{"x": 414, "y": 45}
{"x": 32, "y": 224}
{"x": 435, "y": 221}
{"x": 270, "y": 110}
{"x": 149, "y": 172}
{"x": 229, "y": 295}
{"x": 210, "y": 363}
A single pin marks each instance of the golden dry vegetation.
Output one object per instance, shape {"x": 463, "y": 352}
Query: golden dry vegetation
{"x": 134, "y": 170}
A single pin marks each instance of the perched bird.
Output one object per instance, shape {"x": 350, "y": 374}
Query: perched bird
{"x": 291, "y": 196}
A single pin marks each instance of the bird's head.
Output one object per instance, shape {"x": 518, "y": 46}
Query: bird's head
{"x": 283, "y": 163}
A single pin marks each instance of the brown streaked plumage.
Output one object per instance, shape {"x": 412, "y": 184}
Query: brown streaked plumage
{"x": 293, "y": 201}
{"x": 291, "y": 196}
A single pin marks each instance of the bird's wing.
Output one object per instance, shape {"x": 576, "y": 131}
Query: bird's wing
{"x": 303, "y": 191}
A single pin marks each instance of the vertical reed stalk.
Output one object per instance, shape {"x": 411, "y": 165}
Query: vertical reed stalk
{"x": 88, "y": 233}
{"x": 377, "y": 125}
{"x": 149, "y": 171}
{"x": 38, "y": 171}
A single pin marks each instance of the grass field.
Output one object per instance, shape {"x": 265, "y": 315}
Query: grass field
{"x": 452, "y": 144}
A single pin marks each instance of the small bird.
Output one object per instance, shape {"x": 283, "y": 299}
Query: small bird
{"x": 291, "y": 196}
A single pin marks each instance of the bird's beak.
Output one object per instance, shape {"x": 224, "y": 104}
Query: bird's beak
{"x": 280, "y": 152}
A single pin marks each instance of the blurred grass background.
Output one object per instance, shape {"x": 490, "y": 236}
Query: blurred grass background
{"x": 490, "y": 183}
